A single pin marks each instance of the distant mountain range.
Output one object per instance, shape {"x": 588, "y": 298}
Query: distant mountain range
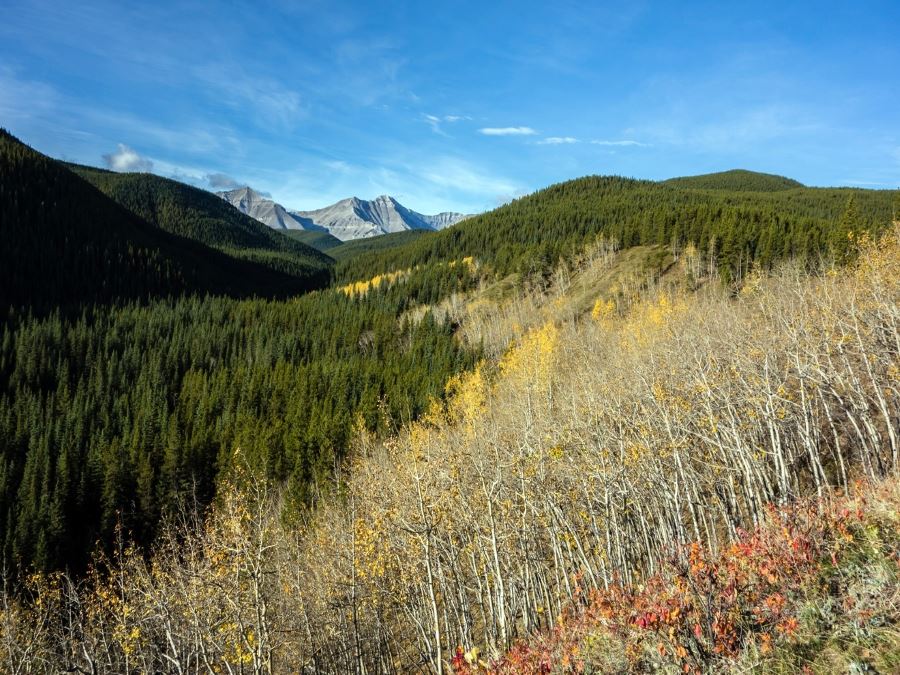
{"x": 346, "y": 220}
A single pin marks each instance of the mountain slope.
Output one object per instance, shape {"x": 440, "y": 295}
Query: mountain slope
{"x": 356, "y": 218}
{"x": 442, "y": 220}
{"x": 347, "y": 219}
{"x": 355, "y": 247}
{"x": 265, "y": 210}
{"x": 54, "y": 253}
{"x": 321, "y": 241}
{"x": 65, "y": 244}
{"x": 197, "y": 214}
{"x": 737, "y": 180}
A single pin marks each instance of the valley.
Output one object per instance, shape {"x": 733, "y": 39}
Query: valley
{"x": 237, "y": 444}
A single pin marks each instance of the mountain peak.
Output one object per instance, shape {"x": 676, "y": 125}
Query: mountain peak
{"x": 262, "y": 208}
{"x": 356, "y": 218}
{"x": 350, "y": 218}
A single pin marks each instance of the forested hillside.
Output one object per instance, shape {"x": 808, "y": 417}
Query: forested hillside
{"x": 349, "y": 249}
{"x": 737, "y": 180}
{"x": 51, "y": 255}
{"x": 129, "y": 372}
{"x": 740, "y": 229}
{"x": 618, "y": 493}
{"x": 202, "y": 216}
{"x": 148, "y": 403}
{"x": 66, "y": 244}
{"x": 323, "y": 241}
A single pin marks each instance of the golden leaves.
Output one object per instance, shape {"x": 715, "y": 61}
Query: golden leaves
{"x": 357, "y": 288}
{"x": 531, "y": 360}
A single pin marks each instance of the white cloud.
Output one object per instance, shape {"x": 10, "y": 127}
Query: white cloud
{"x": 126, "y": 159}
{"x": 435, "y": 121}
{"x": 635, "y": 144}
{"x": 558, "y": 140}
{"x": 507, "y": 131}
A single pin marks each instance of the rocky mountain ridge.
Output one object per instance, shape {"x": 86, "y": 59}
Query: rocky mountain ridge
{"x": 348, "y": 219}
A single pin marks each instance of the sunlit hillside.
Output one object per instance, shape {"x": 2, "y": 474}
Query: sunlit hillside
{"x": 540, "y": 518}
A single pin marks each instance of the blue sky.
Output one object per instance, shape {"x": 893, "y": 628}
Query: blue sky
{"x": 455, "y": 105}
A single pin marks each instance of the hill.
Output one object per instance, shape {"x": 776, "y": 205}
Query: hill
{"x": 319, "y": 240}
{"x": 202, "y": 216}
{"x": 736, "y": 180}
{"x": 133, "y": 360}
{"x": 65, "y": 244}
{"x": 349, "y": 249}
{"x": 739, "y": 229}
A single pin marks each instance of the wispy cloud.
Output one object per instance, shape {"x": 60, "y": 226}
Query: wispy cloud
{"x": 367, "y": 70}
{"x": 571, "y": 140}
{"x": 221, "y": 181}
{"x": 274, "y": 105}
{"x": 127, "y": 159}
{"x": 635, "y": 144}
{"x": 435, "y": 121}
{"x": 733, "y": 131}
{"x": 558, "y": 140}
{"x": 21, "y": 98}
{"x": 457, "y": 174}
{"x": 337, "y": 165}
{"x": 507, "y": 131}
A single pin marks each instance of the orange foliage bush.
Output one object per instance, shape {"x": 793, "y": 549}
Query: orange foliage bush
{"x": 705, "y": 611}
